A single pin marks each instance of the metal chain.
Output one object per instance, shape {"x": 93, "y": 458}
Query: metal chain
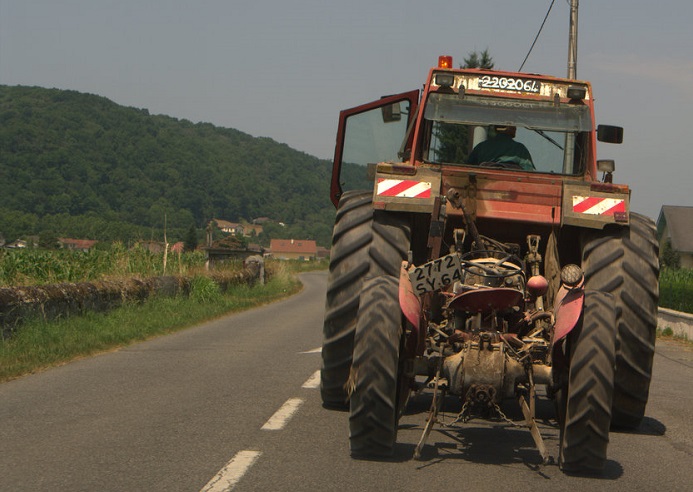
{"x": 461, "y": 417}
{"x": 504, "y": 417}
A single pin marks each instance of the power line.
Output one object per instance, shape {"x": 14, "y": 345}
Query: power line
{"x": 537, "y": 36}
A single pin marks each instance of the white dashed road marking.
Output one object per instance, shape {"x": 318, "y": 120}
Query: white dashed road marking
{"x": 314, "y": 351}
{"x": 228, "y": 477}
{"x": 233, "y": 471}
{"x": 283, "y": 415}
{"x": 313, "y": 381}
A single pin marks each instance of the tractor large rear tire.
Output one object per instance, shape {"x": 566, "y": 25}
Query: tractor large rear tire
{"x": 585, "y": 403}
{"x": 376, "y": 379}
{"x": 349, "y": 264}
{"x": 361, "y": 247}
{"x": 391, "y": 242}
{"x": 625, "y": 263}
{"x": 376, "y": 370}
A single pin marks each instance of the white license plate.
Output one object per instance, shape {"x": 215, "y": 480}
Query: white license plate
{"x": 436, "y": 274}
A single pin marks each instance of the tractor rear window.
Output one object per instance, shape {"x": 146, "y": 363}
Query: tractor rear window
{"x": 456, "y": 126}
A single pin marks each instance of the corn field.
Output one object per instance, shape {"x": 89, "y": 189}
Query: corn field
{"x": 39, "y": 267}
{"x": 676, "y": 289}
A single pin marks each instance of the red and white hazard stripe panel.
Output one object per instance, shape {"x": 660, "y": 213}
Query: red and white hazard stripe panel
{"x": 593, "y": 205}
{"x": 403, "y": 188}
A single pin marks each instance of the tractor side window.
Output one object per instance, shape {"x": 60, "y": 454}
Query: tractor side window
{"x": 371, "y": 137}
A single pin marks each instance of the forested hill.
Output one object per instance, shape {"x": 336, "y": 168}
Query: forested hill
{"x": 80, "y": 165}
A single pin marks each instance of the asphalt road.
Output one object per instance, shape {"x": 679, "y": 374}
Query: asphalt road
{"x": 234, "y": 402}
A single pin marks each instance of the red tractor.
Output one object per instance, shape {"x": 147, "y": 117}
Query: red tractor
{"x": 476, "y": 252}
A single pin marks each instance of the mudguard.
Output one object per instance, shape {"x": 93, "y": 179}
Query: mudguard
{"x": 408, "y": 300}
{"x": 410, "y": 306}
{"x": 568, "y": 308}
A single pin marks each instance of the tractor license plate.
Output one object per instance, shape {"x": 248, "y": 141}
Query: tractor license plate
{"x": 436, "y": 274}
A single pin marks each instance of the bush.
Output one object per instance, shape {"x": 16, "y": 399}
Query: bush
{"x": 204, "y": 289}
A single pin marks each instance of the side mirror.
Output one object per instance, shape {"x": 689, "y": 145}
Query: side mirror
{"x": 392, "y": 112}
{"x": 610, "y": 134}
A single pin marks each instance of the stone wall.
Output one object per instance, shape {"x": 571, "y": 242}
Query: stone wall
{"x": 681, "y": 324}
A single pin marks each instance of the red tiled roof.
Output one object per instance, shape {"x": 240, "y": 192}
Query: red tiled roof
{"x": 77, "y": 243}
{"x": 223, "y": 224}
{"x": 307, "y": 246}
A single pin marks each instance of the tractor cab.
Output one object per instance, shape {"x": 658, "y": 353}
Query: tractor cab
{"x": 521, "y": 138}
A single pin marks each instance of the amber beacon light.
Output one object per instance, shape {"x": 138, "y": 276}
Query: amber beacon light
{"x": 444, "y": 61}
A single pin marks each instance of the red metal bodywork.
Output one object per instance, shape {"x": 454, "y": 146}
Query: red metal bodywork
{"x": 486, "y": 300}
{"x": 521, "y": 197}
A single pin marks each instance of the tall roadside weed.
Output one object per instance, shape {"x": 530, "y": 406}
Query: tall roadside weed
{"x": 676, "y": 289}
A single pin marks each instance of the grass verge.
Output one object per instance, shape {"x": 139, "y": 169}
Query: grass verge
{"x": 41, "y": 344}
{"x": 668, "y": 334}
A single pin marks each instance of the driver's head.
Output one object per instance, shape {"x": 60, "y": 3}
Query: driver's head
{"x": 505, "y": 129}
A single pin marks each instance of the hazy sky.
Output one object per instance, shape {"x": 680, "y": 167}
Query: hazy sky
{"x": 285, "y": 68}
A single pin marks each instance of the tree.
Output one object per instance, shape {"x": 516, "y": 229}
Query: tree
{"x": 669, "y": 256}
{"x": 478, "y": 60}
{"x": 48, "y": 240}
{"x": 191, "y": 239}
{"x": 80, "y": 165}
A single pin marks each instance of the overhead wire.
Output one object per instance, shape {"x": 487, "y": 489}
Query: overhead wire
{"x": 537, "y": 36}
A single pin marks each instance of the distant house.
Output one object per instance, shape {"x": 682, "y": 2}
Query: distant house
{"x": 19, "y": 243}
{"x": 323, "y": 252}
{"x": 675, "y": 224}
{"x": 234, "y": 228}
{"x": 293, "y": 249}
{"x": 229, "y": 227}
{"x": 76, "y": 244}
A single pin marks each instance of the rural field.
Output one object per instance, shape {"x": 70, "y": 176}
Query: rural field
{"x": 40, "y": 267}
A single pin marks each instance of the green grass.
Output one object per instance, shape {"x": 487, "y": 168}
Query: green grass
{"x": 40, "y": 344}
{"x": 668, "y": 334}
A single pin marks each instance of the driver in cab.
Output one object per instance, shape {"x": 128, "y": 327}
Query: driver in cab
{"x": 502, "y": 149}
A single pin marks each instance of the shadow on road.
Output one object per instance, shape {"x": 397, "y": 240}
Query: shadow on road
{"x": 496, "y": 442}
{"x": 648, "y": 427}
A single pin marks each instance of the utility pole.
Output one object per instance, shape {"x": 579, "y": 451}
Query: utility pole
{"x": 572, "y": 40}
{"x": 569, "y": 152}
